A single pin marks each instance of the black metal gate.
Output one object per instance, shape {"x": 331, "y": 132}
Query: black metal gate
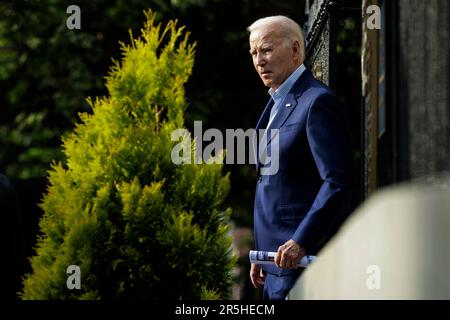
{"x": 328, "y": 42}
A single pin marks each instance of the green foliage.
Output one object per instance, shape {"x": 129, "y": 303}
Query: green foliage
{"x": 139, "y": 226}
{"x": 46, "y": 70}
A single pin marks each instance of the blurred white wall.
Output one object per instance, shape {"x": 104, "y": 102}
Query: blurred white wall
{"x": 395, "y": 246}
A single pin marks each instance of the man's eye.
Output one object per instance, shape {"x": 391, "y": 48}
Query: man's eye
{"x": 267, "y": 50}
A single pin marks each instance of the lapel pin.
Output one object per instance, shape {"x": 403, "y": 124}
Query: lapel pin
{"x": 288, "y": 105}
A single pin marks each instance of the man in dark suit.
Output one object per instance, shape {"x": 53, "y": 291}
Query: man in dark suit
{"x": 302, "y": 203}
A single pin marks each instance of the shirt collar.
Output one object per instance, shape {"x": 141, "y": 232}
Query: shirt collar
{"x": 286, "y": 86}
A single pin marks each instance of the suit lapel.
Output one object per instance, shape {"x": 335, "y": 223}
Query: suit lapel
{"x": 264, "y": 119}
{"x": 262, "y": 123}
{"x": 290, "y": 102}
{"x": 285, "y": 110}
{"x": 282, "y": 115}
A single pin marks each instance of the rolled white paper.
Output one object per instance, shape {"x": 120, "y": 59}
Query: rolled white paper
{"x": 265, "y": 257}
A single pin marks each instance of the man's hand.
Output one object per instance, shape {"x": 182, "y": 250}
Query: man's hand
{"x": 257, "y": 275}
{"x": 289, "y": 254}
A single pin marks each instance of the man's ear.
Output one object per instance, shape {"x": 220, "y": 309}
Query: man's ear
{"x": 296, "y": 49}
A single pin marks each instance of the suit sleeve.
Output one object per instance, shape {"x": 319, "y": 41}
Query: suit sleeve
{"x": 330, "y": 148}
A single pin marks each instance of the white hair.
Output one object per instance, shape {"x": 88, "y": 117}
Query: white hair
{"x": 290, "y": 29}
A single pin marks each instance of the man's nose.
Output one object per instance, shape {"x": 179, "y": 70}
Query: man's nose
{"x": 260, "y": 59}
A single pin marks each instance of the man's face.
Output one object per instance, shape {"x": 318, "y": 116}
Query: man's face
{"x": 273, "y": 61}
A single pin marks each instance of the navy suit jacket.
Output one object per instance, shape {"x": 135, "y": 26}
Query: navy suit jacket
{"x": 309, "y": 197}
